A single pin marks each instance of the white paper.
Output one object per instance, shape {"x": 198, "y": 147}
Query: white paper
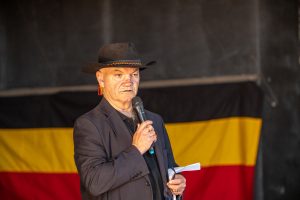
{"x": 175, "y": 170}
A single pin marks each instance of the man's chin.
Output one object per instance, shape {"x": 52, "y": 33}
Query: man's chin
{"x": 129, "y": 96}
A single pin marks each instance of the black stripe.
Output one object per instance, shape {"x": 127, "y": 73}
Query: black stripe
{"x": 197, "y": 103}
{"x": 175, "y": 104}
{"x": 58, "y": 110}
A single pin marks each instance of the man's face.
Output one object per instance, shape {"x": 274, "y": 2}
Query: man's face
{"x": 120, "y": 84}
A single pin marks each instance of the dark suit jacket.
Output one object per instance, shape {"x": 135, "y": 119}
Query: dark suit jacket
{"x": 110, "y": 167}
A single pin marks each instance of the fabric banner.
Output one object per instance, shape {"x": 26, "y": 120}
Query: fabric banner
{"x": 216, "y": 125}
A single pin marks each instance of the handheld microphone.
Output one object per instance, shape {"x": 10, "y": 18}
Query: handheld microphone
{"x": 137, "y": 105}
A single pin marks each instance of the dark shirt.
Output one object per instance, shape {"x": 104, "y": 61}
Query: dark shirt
{"x": 151, "y": 160}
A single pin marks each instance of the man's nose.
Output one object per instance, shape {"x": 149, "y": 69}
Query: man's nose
{"x": 128, "y": 77}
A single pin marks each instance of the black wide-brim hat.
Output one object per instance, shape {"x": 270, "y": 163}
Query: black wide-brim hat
{"x": 118, "y": 55}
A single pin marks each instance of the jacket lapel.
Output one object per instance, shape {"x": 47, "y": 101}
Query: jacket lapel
{"x": 116, "y": 123}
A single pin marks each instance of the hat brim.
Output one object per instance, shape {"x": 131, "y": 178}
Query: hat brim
{"x": 92, "y": 68}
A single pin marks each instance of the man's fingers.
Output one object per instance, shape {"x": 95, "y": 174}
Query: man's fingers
{"x": 144, "y": 136}
{"x": 144, "y": 124}
{"x": 176, "y": 181}
{"x": 176, "y": 190}
{"x": 177, "y": 185}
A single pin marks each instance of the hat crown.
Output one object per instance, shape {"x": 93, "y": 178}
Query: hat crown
{"x": 117, "y": 51}
{"x": 118, "y": 55}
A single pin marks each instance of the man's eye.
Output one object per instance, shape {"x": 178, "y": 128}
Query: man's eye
{"x": 136, "y": 75}
{"x": 118, "y": 75}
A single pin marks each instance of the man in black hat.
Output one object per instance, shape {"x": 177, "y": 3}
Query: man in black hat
{"x": 111, "y": 147}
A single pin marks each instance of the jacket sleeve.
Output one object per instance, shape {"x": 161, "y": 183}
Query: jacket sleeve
{"x": 171, "y": 161}
{"x": 99, "y": 173}
{"x": 168, "y": 147}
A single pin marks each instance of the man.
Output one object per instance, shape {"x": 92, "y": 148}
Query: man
{"x": 111, "y": 148}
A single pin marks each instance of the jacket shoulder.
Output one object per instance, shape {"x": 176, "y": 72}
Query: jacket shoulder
{"x": 92, "y": 115}
{"x": 153, "y": 116}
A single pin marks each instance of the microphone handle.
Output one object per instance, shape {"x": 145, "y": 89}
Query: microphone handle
{"x": 142, "y": 117}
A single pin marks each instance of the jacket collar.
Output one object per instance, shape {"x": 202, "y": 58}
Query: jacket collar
{"x": 105, "y": 107}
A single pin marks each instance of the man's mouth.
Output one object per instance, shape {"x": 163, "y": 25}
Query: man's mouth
{"x": 128, "y": 90}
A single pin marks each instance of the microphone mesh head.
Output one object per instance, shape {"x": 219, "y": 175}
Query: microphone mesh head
{"x": 137, "y": 101}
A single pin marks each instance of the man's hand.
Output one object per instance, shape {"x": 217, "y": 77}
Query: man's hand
{"x": 177, "y": 185}
{"x": 144, "y": 136}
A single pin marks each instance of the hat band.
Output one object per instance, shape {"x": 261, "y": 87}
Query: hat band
{"x": 122, "y": 62}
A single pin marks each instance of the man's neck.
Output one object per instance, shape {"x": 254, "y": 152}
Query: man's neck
{"x": 125, "y": 108}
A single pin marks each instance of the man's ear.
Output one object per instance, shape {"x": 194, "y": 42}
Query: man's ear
{"x": 99, "y": 77}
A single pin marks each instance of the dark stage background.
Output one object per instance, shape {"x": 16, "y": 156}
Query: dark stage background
{"x": 188, "y": 38}
{"x": 44, "y": 43}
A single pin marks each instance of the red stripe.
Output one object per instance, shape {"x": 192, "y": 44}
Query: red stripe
{"x": 210, "y": 183}
{"x": 14, "y": 186}
{"x": 222, "y": 182}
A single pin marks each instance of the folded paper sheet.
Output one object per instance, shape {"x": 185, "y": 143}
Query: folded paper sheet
{"x": 173, "y": 171}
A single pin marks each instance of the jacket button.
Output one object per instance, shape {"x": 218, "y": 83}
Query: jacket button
{"x": 147, "y": 183}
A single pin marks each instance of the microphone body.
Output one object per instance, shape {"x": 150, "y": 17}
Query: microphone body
{"x": 137, "y": 105}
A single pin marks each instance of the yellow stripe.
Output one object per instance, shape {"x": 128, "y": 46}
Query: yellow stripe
{"x": 215, "y": 142}
{"x": 227, "y": 141}
{"x": 37, "y": 150}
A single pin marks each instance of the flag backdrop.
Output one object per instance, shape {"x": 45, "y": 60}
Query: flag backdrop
{"x": 216, "y": 125}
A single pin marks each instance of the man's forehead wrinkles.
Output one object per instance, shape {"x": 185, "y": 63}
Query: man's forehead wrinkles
{"x": 121, "y": 70}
